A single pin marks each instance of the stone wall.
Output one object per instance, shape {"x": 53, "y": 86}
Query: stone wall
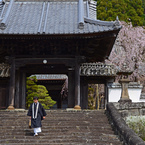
{"x": 131, "y": 109}
{"x": 120, "y": 127}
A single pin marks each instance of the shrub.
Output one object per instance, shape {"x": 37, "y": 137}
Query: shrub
{"x": 137, "y": 124}
{"x": 37, "y": 90}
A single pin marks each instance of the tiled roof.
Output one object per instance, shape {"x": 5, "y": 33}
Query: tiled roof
{"x": 51, "y": 77}
{"x": 53, "y": 17}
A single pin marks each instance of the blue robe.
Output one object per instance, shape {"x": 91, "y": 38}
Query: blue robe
{"x": 41, "y": 112}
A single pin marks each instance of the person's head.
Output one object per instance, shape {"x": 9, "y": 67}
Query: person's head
{"x": 35, "y": 99}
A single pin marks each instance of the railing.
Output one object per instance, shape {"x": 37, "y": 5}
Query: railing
{"x": 126, "y": 134}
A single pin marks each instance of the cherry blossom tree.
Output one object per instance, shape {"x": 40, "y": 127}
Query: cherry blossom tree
{"x": 129, "y": 48}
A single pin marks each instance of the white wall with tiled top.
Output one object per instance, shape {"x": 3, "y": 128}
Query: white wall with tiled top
{"x": 134, "y": 90}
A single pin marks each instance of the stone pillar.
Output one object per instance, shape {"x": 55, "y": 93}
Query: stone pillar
{"x": 71, "y": 88}
{"x": 77, "y": 86}
{"x": 124, "y": 92}
{"x": 17, "y": 94}
{"x": 12, "y": 85}
{"x": 124, "y": 81}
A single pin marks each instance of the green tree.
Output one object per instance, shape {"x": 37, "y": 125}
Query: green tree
{"x": 143, "y": 5}
{"x": 44, "y": 97}
{"x": 32, "y": 88}
{"x": 126, "y": 10}
{"x": 143, "y": 16}
{"x": 37, "y": 90}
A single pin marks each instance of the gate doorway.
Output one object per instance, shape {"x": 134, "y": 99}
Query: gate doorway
{"x": 56, "y": 85}
{"x": 78, "y": 80}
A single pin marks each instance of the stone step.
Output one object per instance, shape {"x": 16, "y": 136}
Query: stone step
{"x": 53, "y": 136}
{"x": 79, "y": 140}
{"x": 53, "y": 123}
{"x": 58, "y": 117}
{"x": 60, "y": 127}
{"x": 61, "y": 123}
{"x": 62, "y": 143}
{"x": 74, "y": 118}
{"x": 21, "y": 114}
{"x": 61, "y": 131}
{"x": 55, "y": 111}
{"x": 49, "y": 134}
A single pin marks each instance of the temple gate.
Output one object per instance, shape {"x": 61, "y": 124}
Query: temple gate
{"x": 53, "y": 37}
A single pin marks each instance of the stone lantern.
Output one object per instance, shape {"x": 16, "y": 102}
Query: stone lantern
{"x": 124, "y": 81}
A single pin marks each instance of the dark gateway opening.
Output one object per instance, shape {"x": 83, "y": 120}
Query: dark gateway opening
{"x": 57, "y": 89}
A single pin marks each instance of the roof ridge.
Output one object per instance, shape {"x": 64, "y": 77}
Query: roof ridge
{"x": 81, "y": 14}
{"x": 46, "y": 15}
{"x": 114, "y": 24}
{"x": 5, "y": 19}
{"x": 2, "y": 7}
{"x": 42, "y": 14}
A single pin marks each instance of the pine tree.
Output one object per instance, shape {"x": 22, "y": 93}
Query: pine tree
{"x": 44, "y": 97}
{"x": 37, "y": 90}
{"x": 32, "y": 88}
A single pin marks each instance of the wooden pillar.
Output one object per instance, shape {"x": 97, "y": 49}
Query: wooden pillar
{"x": 84, "y": 94}
{"x": 20, "y": 90}
{"x": 59, "y": 102}
{"x": 17, "y": 94}
{"x": 71, "y": 88}
{"x": 12, "y": 85}
{"x": 22, "y": 98}
{"x": 81, "y": 93}
{"x": 23, "y": 90}
{"x": 77, "y": 86}
{"x": 106, "y": 95}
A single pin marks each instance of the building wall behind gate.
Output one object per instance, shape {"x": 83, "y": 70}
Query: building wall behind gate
{"x": 2, "y": 98}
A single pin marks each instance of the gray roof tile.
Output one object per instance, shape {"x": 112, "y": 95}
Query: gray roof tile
{"x": 62, "y": 18}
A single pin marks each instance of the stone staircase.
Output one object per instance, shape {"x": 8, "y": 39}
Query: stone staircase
{"x": 60, "y": 127}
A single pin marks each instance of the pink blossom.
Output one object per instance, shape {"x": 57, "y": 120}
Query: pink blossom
{"x": 129, "y": 47}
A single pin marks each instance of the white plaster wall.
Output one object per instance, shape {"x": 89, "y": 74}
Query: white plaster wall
{"x": 114, "y": 94}
{"x": 134, "y": 94}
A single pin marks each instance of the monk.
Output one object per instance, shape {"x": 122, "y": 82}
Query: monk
{"x": 36, "y": 113}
